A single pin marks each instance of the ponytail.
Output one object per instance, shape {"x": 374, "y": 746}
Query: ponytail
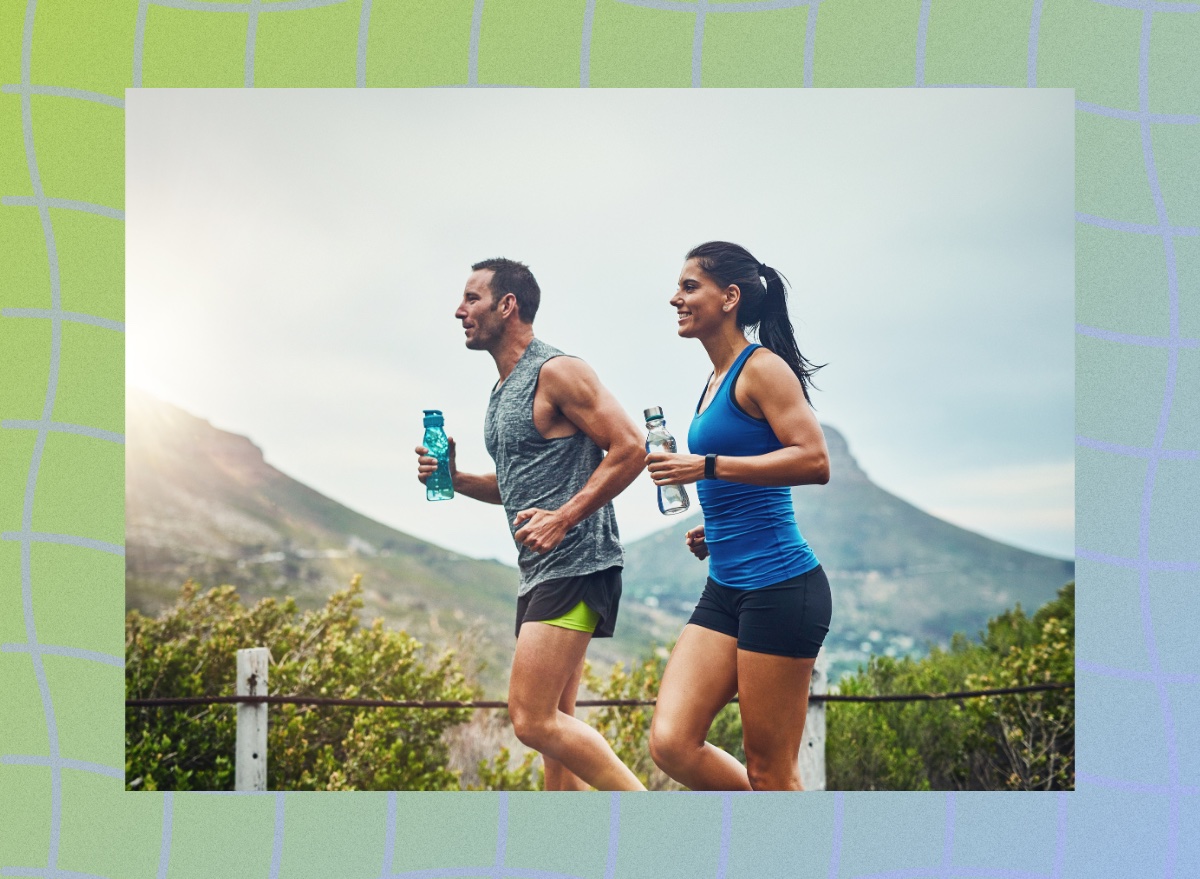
{"x": 764, "y": 302}
{"x": 775, "y": 330}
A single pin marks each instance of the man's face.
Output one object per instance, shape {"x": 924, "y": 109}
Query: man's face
{"x": 482, "y": 322}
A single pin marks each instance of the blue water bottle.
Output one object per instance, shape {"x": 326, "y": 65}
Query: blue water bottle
{"x": 439, "y": 486}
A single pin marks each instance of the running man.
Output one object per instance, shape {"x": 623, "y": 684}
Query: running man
{"x": 548, "y": 427}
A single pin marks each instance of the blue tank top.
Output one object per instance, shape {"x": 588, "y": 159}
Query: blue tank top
{"x": 750, "y": 530}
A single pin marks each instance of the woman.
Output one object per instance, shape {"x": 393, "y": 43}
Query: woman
{"x": 765, "y": 609}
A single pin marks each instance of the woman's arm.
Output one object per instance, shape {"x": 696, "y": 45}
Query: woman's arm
{"x": 767, "y": 388}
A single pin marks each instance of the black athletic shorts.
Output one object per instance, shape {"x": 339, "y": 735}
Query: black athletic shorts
{"x": 787, "y": 619}
{"x": 601, "y": 591}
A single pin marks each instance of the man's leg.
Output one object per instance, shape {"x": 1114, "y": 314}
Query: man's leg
{"x": 547, "y": 659}
{"x": 558, "y": 776}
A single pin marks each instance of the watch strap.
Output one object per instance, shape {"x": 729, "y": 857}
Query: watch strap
{"x": 710, "y": 466}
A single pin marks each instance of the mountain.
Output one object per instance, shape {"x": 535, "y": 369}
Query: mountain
{"x": 900, "y": 577}
{"x": 203, "y": 504}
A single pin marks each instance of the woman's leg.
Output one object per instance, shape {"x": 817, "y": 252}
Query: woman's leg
{"x": 700, "y": 679}
{"x": 558, "y": 776}
{"x": 773, "y": 696}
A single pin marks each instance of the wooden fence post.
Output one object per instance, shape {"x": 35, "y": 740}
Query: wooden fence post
{"x": 250, "y": 760}
{"x": 812, "y": 747}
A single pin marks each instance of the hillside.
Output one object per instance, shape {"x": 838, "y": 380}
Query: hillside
{"x": 203, "y": 504}
{"x": 900, "y": 577}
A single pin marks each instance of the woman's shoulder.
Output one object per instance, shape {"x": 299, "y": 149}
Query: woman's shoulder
{"x": 762, "y": 361}
{"x": 766, "y": 374}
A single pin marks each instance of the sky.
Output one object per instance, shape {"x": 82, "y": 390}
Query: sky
{"x": 294, "y": 259}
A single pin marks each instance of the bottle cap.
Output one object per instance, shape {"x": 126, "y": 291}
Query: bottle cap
{"x": 653, "y": 412}
{"x": 433, "y": 418}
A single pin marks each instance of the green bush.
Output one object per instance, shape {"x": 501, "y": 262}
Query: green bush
{"x": 627, "y": 728}
{"x": 1034, "y": 732}
{"x": 191, "y": 651}
{"x": 1018, "y": 742}
{"x": 499, "y": 774}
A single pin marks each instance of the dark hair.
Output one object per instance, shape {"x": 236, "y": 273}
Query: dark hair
{"x": 510, "y": 276}
{"x": 763, "y": 303}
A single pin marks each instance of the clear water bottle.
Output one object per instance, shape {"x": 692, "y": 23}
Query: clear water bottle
{"x": 439, "y": 486}
{"x": 672, "y": 499}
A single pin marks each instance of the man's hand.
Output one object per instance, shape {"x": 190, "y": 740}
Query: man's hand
{"x": 427, "y": 464}
{"x": 672, "y": 468}
{"x": 542, "y": 529}
{"x": 695, "y": 542}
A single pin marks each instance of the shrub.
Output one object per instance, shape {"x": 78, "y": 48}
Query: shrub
{"x": 190, "y": 650}
{"x": 627, "y": 728}
{"x": 1018, "y": 742}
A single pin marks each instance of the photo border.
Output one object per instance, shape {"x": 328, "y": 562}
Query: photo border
{"x": 65, "y": 69}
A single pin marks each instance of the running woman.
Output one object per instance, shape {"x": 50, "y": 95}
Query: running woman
{"x": 765, "y": 609}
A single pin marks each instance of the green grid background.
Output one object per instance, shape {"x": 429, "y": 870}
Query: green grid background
{"x": 64, "y": 68}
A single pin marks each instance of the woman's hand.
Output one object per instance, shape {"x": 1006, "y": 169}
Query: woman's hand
{"x": 671, "y": 468}
{"x": 695, "y": 542}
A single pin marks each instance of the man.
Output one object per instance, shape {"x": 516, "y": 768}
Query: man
{"x": 549, "y": 426}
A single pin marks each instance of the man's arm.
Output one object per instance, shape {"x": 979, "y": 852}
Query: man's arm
{"x": 575, "y": 390}
{"x": 481, "y": 487}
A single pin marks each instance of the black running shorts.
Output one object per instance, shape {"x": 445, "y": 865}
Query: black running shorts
{"x": 787, "y": 619}
{"x": 551, "y": 599}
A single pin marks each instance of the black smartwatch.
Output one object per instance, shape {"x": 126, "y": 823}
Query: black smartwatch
{"x": 710, "y": 466}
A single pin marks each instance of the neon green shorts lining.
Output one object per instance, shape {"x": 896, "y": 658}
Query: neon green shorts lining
{"x": 580, "y": 618}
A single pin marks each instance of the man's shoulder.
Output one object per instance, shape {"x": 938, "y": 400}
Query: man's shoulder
{"x": 568, "y": 380}
{"x": 565, "y": 366}
{"x": 541, "y": 348}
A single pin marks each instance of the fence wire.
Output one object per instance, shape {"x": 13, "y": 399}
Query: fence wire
{"x": 583, "y": 703}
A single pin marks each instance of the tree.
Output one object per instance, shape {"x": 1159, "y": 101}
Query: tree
{"x": 1035, "y": 732}
{"x": 190, "y": 651}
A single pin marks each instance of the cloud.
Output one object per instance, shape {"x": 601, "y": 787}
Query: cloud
{"x": 295, "y": 257}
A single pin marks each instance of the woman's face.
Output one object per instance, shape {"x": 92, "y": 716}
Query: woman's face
{"x": 700, "y": 304}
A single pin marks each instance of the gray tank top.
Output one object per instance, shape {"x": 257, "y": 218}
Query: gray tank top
{"x": 533, "y": 471}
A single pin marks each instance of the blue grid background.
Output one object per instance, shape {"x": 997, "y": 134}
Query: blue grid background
{"x": 63, "y": 70}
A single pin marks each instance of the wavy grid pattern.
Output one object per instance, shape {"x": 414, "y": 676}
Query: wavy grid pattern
{"x": 62, "y": 809}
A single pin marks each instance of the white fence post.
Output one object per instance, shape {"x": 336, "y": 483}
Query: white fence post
{"x": 250, "y": 760}
{"x": 812, "y": 747}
